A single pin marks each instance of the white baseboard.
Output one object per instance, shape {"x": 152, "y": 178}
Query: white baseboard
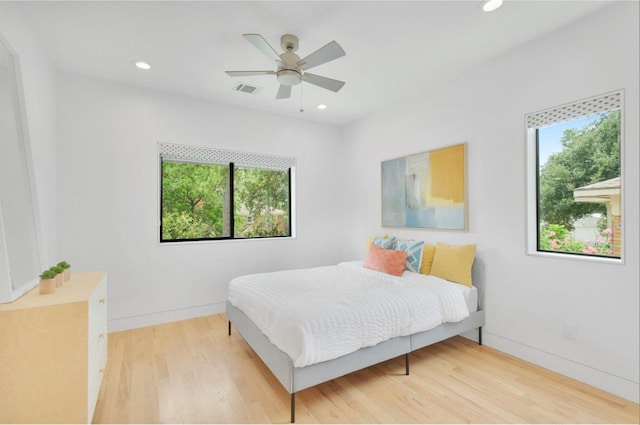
{"x": 132, "y": 322}
{"x": 613, "y": 384}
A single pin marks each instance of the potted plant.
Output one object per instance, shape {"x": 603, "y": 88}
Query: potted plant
{"x": 58, "y": 271}
{"x": 66, "y": 267}
{"x": 47, "y": 282}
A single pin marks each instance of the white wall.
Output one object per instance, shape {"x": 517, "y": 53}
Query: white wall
{"x": 528, "y": 298}
{"x": 39, "y": 86}
{"x": 108, "y": 179}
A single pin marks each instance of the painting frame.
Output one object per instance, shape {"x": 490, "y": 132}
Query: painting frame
{"x": 426, "y": 190}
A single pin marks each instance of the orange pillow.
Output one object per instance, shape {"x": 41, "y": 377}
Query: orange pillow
{"x": 387, "y": 261}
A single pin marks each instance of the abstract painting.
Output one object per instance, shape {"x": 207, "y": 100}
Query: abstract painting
{"x": 426, "y": 190}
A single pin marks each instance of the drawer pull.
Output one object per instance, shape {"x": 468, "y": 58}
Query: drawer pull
{"x": 101, "y": 336}
{"x": 101, "y": 300}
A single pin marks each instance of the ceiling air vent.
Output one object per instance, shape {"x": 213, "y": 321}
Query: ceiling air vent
{"x": 246, "y": 88}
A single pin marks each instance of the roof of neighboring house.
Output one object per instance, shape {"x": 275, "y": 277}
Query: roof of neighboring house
{"x": 613, "y": 183}
{"x": 598, "y": 192}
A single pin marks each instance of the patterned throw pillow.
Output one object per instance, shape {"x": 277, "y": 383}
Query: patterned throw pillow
{"x": 414, "y": 254}
{"x": 386, "y": 243}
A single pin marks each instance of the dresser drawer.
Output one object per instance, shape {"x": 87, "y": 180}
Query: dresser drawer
{"x": 95, "y": 380}
{"x": 97, "y": 329}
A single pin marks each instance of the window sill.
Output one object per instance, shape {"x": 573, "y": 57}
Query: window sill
{"x": 575, "y": 257}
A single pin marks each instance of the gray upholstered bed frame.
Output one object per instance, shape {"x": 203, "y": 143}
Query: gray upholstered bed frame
{"x": 295, "y": 379}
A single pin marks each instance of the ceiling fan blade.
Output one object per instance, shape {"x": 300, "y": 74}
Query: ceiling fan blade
{"x": 284, "y": 92}
{"x": 324, "y": 82}
{"x": 262, "y": 45}
{"x": 245, "y": 73}
{"x": 324, "y": 54}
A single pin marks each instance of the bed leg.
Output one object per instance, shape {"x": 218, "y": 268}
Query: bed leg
{"x": 406, "y": 363}
{"x": 480, "y": 335}
{"x": 229, "y": 327}
{"x": 293, "y": 408}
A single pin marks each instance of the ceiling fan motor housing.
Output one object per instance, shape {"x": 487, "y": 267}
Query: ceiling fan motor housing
{"x": 289, "y": 72}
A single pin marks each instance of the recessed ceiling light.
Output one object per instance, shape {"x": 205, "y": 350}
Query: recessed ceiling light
{"x": 322, "y": 106}
{"x": 491, "y": 5}
{"x": 142, "y": 65}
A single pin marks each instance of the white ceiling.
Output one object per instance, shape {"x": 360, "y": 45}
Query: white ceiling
{"x": 395, "y": 49}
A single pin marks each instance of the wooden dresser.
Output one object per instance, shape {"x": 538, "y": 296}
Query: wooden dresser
{"x": 53, "y": 350}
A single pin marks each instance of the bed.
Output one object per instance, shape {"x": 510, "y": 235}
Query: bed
{"x": 310, "y": 326}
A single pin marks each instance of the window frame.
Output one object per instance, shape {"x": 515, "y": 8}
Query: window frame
{"x": 216, "y": 156}
{"x": 532, "y": 186}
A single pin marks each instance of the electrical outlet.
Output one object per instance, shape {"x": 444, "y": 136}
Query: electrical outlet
{"x": 570, "y": 330}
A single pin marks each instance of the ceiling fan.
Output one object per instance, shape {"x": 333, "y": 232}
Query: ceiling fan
{"x": 291, "y": 69}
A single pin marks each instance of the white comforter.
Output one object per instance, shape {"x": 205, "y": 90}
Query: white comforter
{"x": 322, "y": 313}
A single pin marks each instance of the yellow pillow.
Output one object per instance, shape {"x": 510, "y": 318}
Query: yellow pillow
{"x": 369, "y": 242}
{"x": 453, "y": 262}
{"x": 428, "y": 251}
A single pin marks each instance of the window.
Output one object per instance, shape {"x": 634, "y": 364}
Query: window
{"x": 210, "y": 194}
{"x": 574, "y": 185}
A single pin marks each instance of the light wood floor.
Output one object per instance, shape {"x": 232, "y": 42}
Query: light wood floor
{"x": 192, "y": 372}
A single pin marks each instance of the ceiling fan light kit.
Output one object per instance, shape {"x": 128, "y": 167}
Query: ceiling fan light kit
{"x": 289, "y": 77}
{"x": 291, "y": 70}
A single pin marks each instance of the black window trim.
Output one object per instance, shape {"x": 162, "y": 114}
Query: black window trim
{"x": 288, "y": 161}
